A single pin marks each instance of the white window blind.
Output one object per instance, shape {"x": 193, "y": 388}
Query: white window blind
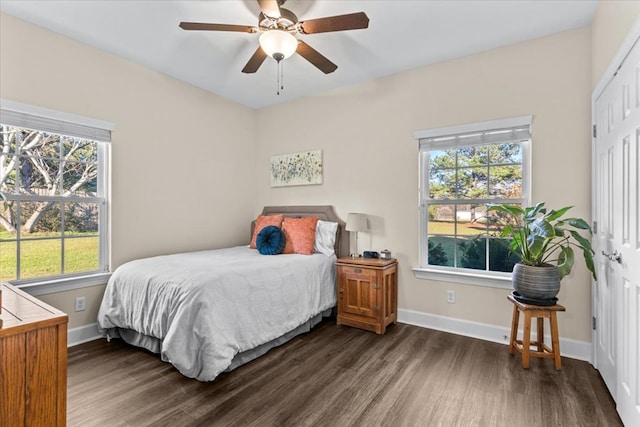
{"x": 494, "y": 132}
{"x": 499, "y": 136}
{"x": 31, "y": 117}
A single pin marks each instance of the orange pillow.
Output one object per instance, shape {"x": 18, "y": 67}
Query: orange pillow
{"x": 299, "y": 234}
{"x": 261, "y": 222}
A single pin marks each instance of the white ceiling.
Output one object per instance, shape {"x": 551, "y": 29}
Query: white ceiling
{"x": 402, "y": 34}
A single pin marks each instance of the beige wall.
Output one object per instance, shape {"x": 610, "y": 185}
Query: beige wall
{"x": 370, "y": 157}
{"x": 365, "y": 132}
{"x": 175, "y": 148}
{"x": 610, "y": 26}
{"x": 65, "y": 301}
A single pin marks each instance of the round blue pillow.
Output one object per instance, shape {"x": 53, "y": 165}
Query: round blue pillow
{"x": 270, "y": 240}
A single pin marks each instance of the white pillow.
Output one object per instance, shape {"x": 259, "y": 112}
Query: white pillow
{"x": 325, "y": 237}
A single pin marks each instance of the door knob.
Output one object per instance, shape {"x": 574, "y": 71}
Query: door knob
{"x": 614, "y": 256}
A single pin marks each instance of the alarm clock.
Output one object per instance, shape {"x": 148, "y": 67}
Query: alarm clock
{"x": 371, "y": 254}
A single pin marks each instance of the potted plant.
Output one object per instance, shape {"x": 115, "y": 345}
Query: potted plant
{"x": 544, "y": 243}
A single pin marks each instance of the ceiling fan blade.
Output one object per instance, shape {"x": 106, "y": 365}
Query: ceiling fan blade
{"x": 255, "y": 61}
{"x": 217, "y": 27}
{"x": 315, "y": 57}
{"x": 270, "y": 8}
{"x": 352, "y": 21}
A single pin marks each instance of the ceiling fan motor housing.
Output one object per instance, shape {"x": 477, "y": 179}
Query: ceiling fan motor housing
{"x": 287, "y": 21}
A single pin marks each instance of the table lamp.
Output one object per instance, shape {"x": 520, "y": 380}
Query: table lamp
{"x": 356, "y": 222}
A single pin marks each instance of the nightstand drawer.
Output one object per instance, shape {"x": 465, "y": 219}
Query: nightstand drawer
{"x": 347, "y": 269}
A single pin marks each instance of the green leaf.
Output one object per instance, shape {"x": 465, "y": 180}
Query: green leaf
{"x": 553, "y": 215}
{"x": 516, "y": 243}
{"x": 542, "y": 228}
{"x": 507, "y": 209}
{"x": 536, "y": 246}
{"x": 506, "y": 231}
{"x": 558, "y": 230}
{"x": 579, "y": 223}
{"x": 565, "y": 261}
{"x": 584, "y": 243}
{"x": 530, "y": 213}
{"x": 588, "y": 259}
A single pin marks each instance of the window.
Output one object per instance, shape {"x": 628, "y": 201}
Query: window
{"x": 462, "y": 170}
{"x": 53, "y": 186}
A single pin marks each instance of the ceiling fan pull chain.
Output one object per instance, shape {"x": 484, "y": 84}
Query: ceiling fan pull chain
{"x": 278, "y": 78}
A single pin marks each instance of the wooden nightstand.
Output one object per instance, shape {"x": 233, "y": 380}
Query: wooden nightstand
{"x": 367, "y": 293}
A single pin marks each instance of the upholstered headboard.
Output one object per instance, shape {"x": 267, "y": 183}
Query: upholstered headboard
{"x": 324, "y": 212}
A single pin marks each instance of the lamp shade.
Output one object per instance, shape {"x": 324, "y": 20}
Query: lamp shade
{"x": 278, "y": 44}
{"x": 357, "y": 222}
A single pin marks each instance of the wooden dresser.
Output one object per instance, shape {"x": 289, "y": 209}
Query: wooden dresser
{"x": 33, "y": 361}
{"x": 367, "y": 293}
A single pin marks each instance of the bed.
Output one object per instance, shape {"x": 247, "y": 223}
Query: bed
{"x": 208, "y": 312}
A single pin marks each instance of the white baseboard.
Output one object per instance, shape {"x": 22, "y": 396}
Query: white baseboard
{"x": 83, "y": 334}
{"x": 574, "y": 349}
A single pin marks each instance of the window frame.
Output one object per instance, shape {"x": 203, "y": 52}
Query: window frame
{"x": 27, "y": 116}
{"x": 459, "y": 274}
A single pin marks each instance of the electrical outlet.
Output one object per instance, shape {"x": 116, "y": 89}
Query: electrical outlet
{"x": 451, "y": 297}
{"x": 80, "y": 302}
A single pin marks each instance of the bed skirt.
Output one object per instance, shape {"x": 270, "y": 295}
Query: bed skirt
{"x": 153, "y": 344}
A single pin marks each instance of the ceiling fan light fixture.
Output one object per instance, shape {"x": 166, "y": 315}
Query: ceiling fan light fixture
{"x": 278, "y": 44}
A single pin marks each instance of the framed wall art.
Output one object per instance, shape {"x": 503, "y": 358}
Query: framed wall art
{"x": 303, "y": 168}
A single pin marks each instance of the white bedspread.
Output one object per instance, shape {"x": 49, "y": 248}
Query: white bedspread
{"x": 206, "y": 307}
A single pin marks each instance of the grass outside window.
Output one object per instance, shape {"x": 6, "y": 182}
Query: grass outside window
{"x": 42, "y": 258}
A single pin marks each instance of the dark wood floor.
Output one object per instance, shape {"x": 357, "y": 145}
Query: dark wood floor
{"x": 340, "y": 376}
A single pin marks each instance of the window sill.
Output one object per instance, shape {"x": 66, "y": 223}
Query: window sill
{"x": 498, "y": 280}
{"x": 66, "y": 284}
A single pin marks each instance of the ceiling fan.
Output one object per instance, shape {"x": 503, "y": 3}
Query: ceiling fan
{"x": 279, "y": 27}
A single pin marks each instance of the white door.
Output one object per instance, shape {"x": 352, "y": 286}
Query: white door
{"x": 617, "y": 237}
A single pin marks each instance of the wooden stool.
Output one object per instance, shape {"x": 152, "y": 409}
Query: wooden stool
{"x": 524, "y": 346}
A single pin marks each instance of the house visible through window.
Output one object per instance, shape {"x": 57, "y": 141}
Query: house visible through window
{"x": 462, "y": 170}
{"x": 53, "y": 190}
